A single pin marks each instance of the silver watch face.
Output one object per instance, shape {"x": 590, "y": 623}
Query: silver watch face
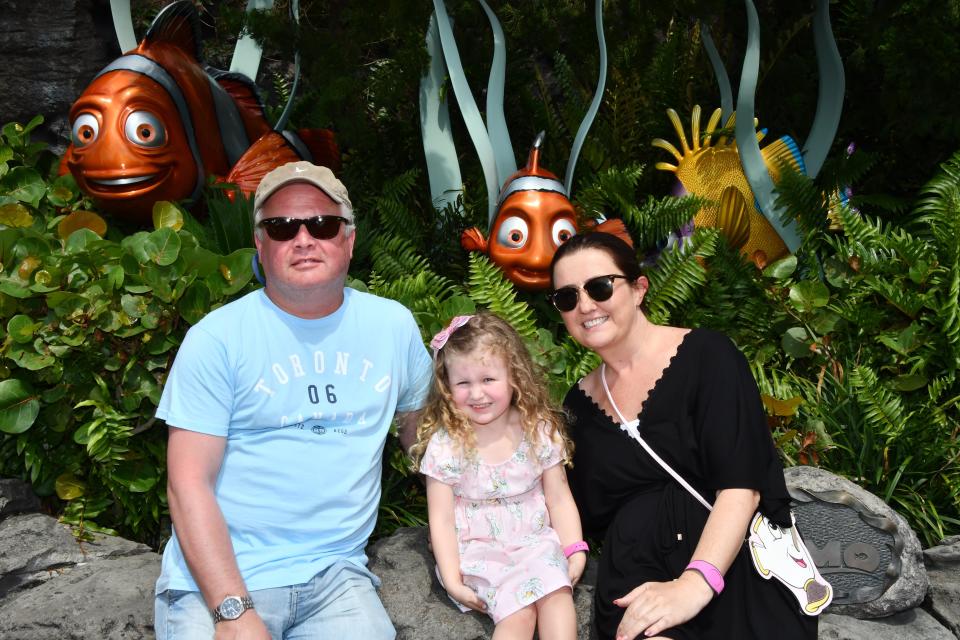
{"x": 231, "y": 608}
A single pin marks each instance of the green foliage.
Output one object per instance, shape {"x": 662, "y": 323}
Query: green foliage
{"x": 89, "y": 328}
{"x": 854, "y": 341}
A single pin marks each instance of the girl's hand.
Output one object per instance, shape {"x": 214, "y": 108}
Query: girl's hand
{"x": 655, "y": 606}
{"x": 575, "y": 565}
{"x": 466, "y": 596}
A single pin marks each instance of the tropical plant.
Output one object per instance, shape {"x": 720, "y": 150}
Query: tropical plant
{"x": 90, "y": 323}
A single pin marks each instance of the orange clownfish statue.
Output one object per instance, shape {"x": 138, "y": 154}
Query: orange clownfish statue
{"x": 156, "y": 122}
{"x": 534, "y": 217}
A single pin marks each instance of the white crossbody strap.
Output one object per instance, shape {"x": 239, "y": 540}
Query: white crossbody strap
{"x": 632, "y": 429}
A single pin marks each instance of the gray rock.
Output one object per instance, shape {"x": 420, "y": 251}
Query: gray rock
{"x": 943, "y": 570}
{"x": 32, "y": 549}
{"x": 915, "y": 624}
{"x": 907, "y": 590}
{"x": 16, "y": 496}
{"x": 419, "y": 607}
{"x": 110, "y": 599}
{"x": 50, "y": 54}
{"x": 104, "y": 546}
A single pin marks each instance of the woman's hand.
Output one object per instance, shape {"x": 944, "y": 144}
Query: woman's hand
{"x": 466, "y": 596}
{"x": 575, "y": 566}
{"x": 655, "y": 606}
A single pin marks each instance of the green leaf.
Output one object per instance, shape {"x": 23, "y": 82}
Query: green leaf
{"x": 20, "y": 328}
{"x": 19, "y": 406}
{"x": 69, "y": 487}
{"x": 781, "y": 269}
{"x": 807, "y": 295}
{"x": 796, "y": 342}
{"x": 6, "y": 153}
{"x": 81, "y": 240}
{"x": 909, "y": 382}
{"x": 137, "y": 476}
{"x": 15, "y": 215}
{"x": 237, "y": 270}
{"x": 167, "y": 215}
{"x": 163, "y": 246}
{"x": 25, "y": 184}
{"x": 195, "y": 302}
{"x": 63, "y": 190}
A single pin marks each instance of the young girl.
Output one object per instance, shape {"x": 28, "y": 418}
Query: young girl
{"x": 505, "y": 530}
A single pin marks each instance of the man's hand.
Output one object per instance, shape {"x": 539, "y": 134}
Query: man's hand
{"x": 466, "y": 596}
{"x": 655, "y": 606}
{"x": 575, "y": 565}
{"x": 248, "y": 626}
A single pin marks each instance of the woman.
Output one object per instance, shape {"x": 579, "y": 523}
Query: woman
{"x": 698, "y": 408}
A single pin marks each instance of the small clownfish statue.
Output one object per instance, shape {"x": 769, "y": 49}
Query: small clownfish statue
{"x": 156, "y": 122}
{"x": 534, "y": 217}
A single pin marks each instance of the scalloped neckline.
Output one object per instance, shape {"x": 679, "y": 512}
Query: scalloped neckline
{"x": 650, "y": 392}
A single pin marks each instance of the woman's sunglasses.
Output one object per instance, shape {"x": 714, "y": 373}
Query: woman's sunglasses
{"x": 599, "y": 289}
{"x": 285, "y": 228}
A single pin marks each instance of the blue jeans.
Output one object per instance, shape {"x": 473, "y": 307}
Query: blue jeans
{"x": 340, "y": 602}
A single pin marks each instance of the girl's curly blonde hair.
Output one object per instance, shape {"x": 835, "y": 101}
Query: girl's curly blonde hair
{"x": 489, "y": 332}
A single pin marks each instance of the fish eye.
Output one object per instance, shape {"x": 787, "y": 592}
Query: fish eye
{"x": 85, "y": 130}
{"x": 144, "y": 129}
{"x": 563, "y": 230}
{"x": 513, "y": 232}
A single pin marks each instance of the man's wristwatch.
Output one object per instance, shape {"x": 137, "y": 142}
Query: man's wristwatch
{"x": 232, "y": 608}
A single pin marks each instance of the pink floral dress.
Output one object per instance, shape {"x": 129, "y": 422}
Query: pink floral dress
{"x": 509, "y": 554}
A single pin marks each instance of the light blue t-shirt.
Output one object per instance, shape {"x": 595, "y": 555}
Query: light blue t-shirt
{"x": 306, "y": 406}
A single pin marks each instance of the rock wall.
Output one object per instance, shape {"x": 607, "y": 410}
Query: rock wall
{"x": 56, "y": 588}
{"x": 51, "y": 50}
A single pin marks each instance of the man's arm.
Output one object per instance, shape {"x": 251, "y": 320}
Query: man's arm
{"x": 407, "y": 424}
{"x": 193, "y": 462}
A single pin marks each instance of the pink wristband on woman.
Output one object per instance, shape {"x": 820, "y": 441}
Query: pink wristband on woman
{"x": 709, "y": 572}
{"x": 575, "y": 547}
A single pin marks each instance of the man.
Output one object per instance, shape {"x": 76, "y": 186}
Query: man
{"x": 279, "y": 405}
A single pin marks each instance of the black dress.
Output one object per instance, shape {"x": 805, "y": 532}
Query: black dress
{"x": 704, "y": 417}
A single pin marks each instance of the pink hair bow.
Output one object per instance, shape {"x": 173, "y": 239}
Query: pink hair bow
{"x": 441, "y": 338}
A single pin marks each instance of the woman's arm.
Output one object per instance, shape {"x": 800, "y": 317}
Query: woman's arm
{"x": 443, "y": 537}
{"x": 564, "y": 517}
{"x": 655, "y": 606}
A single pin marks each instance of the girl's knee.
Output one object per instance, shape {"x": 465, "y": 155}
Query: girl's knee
{"x": 526, "y": 617}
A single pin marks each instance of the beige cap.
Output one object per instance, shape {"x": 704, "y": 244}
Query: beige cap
{"x": 303, "y": 171}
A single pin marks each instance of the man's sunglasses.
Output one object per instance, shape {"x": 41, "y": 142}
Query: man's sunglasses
{"x": 285, "y": 228}
{"x": 599, "y": 289}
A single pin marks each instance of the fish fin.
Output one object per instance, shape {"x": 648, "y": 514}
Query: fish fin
{"x": 472, "y": 240}
{"x": 177, "y": 25}
{"x": 780, "y": 151}
{"x": 615, "y": 226}
{"x": 322, "y": 144}
{"x": 62, "y": 168}
{"x": 266, "y": 154}
{"x": 245, "y": 95}
{"x": 732, "y": 218}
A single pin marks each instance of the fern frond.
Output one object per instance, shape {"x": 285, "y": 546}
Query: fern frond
{"x": 679, "y": 275}
{"x": 392, "y": 206}
{"x": 578, "y": 360}
{"x": 402, "y": 274}
{"x": 907, "y": 301}
{"x": 882, "y": 409}
{"x": 490, "y": 288}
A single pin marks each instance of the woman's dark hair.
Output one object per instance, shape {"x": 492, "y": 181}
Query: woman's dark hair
{"x": 619, "y": 251}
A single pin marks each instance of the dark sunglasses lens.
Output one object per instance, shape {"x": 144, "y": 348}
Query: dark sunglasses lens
{"x": 320, "y": 227}
{"x": 324, "y": 227}
{"x": 281, "y": 229}
{"x": 599, "y": 288}
{"x": 565, "y": 299}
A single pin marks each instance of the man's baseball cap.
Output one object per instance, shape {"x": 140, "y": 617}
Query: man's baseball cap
{"x": 303, "y": 171}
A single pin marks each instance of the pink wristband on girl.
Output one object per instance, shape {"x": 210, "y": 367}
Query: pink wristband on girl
{"x": 709, "y": 572}
{"x": 575, "y": 547}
